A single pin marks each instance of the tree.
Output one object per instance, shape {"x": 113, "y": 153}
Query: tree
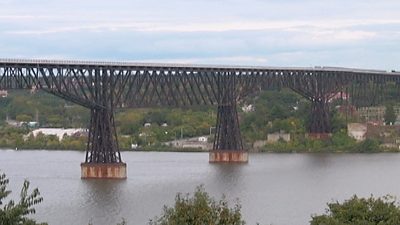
{"x": 338, "y": 121}
{"x": 360, "y": 211}
{"x": 24, "y": 118}
{"x": 390, "y": 115}
{"x": 199, "y": 209}
{"x": 368, "y": 145}
{"x": 15, "y": 214}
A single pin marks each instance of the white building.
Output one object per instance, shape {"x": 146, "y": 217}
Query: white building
{"x": 248, "y": 108}
{"x": 203, "y": 139}
{"x": 357, "y": 131}
{"x": 275, "y": 137}
{"x": 3, "y": 93}
{"x": 59, "y": 132}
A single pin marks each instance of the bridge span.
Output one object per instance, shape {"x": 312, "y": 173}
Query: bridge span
{"x": 104, "y": 86}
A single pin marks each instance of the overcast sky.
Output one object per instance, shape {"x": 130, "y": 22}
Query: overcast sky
{"x": 349, "y": 33}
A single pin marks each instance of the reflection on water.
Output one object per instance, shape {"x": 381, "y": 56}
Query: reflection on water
{"x": 103, "y": 196}
{"x": 282, "y": 189}
{"x": 319, "y": 159}
{"x": 227, "y": 176}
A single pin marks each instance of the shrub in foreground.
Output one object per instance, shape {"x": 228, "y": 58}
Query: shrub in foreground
{"x": 13, "y": 213}
{"x": 199, "y": 209}
{"x": 361, "y": 211}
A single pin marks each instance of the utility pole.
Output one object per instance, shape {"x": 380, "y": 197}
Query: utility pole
{"x": 181, "y": 132}
{"x": 211, "y": 130}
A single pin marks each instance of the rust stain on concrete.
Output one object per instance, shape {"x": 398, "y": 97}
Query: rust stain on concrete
{"x": 228, "y": 156}
{"x": 103, "y": 170}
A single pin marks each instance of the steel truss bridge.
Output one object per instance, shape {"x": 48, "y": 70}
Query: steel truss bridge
{"x": 104, "y": 86}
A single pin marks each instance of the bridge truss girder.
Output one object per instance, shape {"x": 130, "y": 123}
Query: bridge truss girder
{"x": 102, "y": 88}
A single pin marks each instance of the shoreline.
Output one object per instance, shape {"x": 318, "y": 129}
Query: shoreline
{"x": 203, "y": 151}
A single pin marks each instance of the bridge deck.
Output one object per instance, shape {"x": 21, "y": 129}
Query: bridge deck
{"x": 44, "y": 62}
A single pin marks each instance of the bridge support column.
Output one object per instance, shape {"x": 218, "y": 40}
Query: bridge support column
{"x": 319, "y": 87}
{"x": 228, "y": 146}
{"x": 320, "y": 124}
{"x": 103, "y": 158}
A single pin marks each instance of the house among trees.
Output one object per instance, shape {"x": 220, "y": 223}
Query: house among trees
{"x": 59, "y": 132}
{"x": 275, "y": 137}
{"x": 380, "y": 114}
{"x": 389, "y": 136}
{"x": 357, "y": 131}
{"x": 3, "y": 93}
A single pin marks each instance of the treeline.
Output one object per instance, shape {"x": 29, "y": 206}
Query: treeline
{"x": 339, "y": 142}
{"x": 272, "y": 111}
{"x": 19, "y": 138}
{"x": 48, "y": 110}
{"x": 152, "y": 126}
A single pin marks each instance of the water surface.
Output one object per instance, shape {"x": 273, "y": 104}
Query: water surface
{"x": 279, "y": 189}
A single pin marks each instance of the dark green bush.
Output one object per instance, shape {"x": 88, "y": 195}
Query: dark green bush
{"x": 13, "y": 213}
{"x": 199, "y": 209}
{"x": 360, "y": 211}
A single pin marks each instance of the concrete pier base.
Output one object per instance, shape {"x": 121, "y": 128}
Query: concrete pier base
{"x": 103, "y": 170}
{"x": 228, "y": 156}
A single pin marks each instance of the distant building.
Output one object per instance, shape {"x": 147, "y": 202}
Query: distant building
{"x": 349, "y": 110}
{"x": 33, "y": 124}
{"x": 357, "y": 131}
{"x": 3, "y": 93}
{"x": 33, "y": 90}
{"x": 194, "y": 142}
{"x": 59, "y": 132}
{"x": 375, "y": 113}
{"x": 389, "y": 136}
{"x": 12, "y": 123}
{"x": 338, "y": 95}
{"x": 275, "y": 137}
{"x": 134, "y": 146}
{"x": 203, "y": 139}
{"x": 248, "y": 108}
{"x": 259, "y": 144}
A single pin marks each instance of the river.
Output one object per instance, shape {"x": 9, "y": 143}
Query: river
{"x": 279, "y": 189}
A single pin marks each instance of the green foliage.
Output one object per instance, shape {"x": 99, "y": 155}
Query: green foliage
{"x": 368, "y": 146}
{"x": 14, "y": 138}
{"x": 274, "y": 111}
{"x": 390, "y": 115}
{"x": 199, "y": 209}
{"x": 13, "y": 213}
{"x": 50, "y": 110}
{"x": 23, "y": 118}
{"x": 189, "y": 122}
{"x": 338, "y": 121}
{"x": 342, "y": 141}
{"x": 339, "y": 142}
{"x": 360, "y": 211}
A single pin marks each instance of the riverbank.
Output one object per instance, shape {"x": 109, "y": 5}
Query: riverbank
{"x": 339, "y": 142}
{"x": 266, "y": 150}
